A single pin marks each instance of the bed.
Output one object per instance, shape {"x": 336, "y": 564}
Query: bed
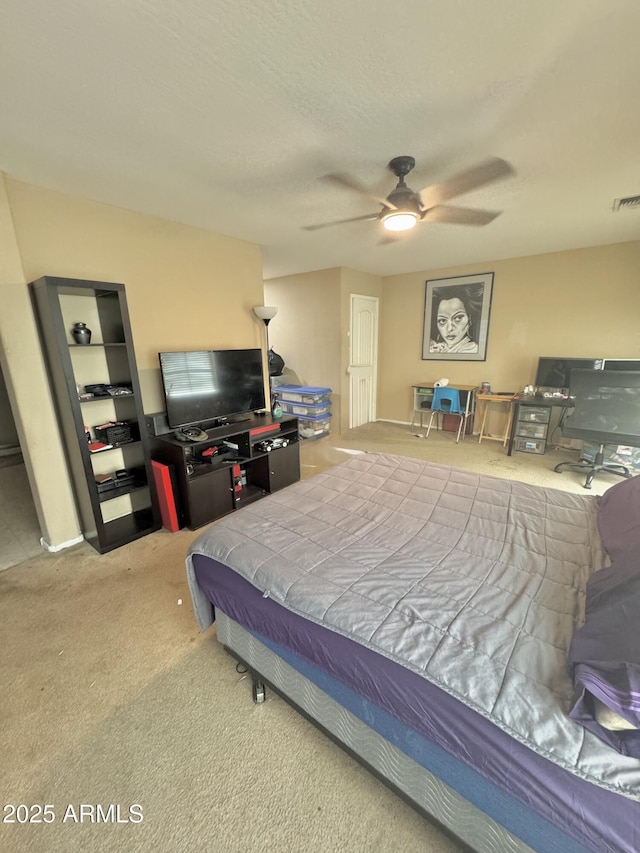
{"x": 460, "y": 634}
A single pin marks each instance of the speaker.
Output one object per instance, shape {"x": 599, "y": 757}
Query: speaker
{"x": 157, "y": 424}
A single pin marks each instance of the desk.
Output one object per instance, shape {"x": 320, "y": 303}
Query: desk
{"x": 423, "y": 395}
{"x": 530, "y": 422}
{"x": 487, "y": 401}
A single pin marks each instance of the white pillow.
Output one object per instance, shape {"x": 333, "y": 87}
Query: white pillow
{"x": 609, "y": 719}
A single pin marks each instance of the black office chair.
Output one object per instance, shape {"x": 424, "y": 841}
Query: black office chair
{"x": 606, "y": 412}
{"x": 594, "y": 466}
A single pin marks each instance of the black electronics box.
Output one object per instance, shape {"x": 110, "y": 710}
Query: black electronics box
{"x": 105, "y": 483}
{"x": 112, "y": 482}
{"x": 157, "y": 424}
{"x": 114, "y": 433}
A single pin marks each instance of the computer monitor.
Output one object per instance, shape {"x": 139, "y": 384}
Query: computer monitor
{"x": 621, "y": 364}
{"x": 556, "y": 372}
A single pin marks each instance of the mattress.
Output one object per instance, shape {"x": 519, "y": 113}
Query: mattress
{"x": 446, "y": 600}
{"x": 537, "y": 800}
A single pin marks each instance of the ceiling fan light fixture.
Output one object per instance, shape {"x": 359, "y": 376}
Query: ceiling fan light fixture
{"x": 399, "y": 220}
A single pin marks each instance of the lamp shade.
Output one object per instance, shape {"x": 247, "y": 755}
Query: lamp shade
{"x": 265, "y": 312}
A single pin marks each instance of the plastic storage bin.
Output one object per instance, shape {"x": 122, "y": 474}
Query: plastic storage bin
{"x": 314, "y": 427}
{"x": 529, "y": 445}
{"x": 305, "y": 409}
{"x": 535, "y": 414}
{"x": 532, "y": 430}
{"x": 307, "y": 394}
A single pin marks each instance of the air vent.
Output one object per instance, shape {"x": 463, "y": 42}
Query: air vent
{"x": 628, "y": 203}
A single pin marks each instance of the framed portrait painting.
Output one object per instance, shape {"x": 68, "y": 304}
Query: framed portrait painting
{"x": 456, "y": 318}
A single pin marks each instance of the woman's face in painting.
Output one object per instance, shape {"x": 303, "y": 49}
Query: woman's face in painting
{"x": 452, "y": 321}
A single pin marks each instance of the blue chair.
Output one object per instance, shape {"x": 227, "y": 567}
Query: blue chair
{"x": 446, "y": 401}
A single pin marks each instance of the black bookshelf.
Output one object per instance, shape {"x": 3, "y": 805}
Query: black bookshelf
{"x": 111, "y": 518}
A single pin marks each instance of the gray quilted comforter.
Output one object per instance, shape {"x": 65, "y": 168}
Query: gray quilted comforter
{"x": 475, "y": 582}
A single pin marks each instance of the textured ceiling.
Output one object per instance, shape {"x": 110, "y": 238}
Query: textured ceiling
{"x": 225, "y": 114}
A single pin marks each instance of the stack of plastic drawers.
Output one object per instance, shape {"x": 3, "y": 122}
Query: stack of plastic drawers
{"x": 532, "y": 427}
{"x": 311, "y": 405}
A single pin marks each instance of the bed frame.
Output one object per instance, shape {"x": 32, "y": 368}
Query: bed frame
{"x": 423, "y": 790}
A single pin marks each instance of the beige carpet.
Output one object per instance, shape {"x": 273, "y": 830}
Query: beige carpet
{"x": 110, "y": 696}
{"x": 20, "y": 533}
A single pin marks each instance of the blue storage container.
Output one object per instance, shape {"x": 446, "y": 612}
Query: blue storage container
{"x": 314, "y": 427}
{"x": 308, "y": 394}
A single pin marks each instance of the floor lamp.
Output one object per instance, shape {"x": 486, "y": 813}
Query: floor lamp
{"x": 266, "y": 313}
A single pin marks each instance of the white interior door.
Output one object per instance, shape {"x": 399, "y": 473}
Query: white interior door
{"x": 363, "y": 359}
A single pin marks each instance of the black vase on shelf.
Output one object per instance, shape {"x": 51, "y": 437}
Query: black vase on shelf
{"x": 81, "y": 334}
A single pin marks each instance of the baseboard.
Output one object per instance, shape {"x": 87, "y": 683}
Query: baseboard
{"x": 470, "y": 431}
{"x": 54, "y": 548}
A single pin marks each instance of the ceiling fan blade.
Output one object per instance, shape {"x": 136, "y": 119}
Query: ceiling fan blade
{"x": 351, "y": 184}
{"x": 340, "y": 222}
{"x": 472, "y": 179}
{"x": 459, "y": 215}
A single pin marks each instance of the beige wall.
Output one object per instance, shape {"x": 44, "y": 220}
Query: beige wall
{"x": 577, "y": 303}
{"x": 186, "y": 289}
{"x": 307, "y": 329}
{"x": 584, "y": 302}
{"x": 311, "y": 329}
{"x": 28, "y": 392}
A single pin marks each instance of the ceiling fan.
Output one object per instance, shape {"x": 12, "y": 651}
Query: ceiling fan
{"x": 403, "y": 208}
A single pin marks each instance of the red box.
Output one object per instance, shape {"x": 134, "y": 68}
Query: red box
{"x": 450, "y": 423}
{"x": 166, "y": 500}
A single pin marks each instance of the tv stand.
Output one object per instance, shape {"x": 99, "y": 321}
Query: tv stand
{"x": 229, "y": 468}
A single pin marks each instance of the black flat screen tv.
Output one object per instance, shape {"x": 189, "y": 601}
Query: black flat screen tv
{"x": 211, "y": 385}
{"x": 556, "y": 372}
